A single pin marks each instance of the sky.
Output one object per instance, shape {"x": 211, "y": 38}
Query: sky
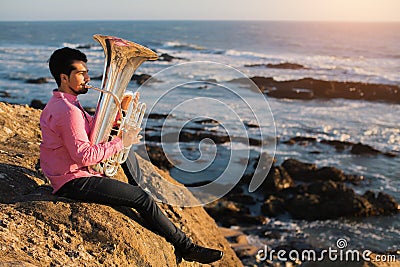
{"x": 294, "y": 10}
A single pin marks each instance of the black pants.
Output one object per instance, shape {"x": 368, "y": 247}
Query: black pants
{"x": 112, "y": 192}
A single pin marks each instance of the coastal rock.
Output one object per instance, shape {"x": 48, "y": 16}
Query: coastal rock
{"x": 339, "y": 145}
{"x": 301, "y": 140}
{"x": 299, "y": 170}
{"x": 310, "y": 172}
{"x": 361, "y": 149}
{"x": 37, "y": 104}
{"x": 40, "y": 229}
{"x": 140, "y": 78}
{"x": 185, "y": 136}
{"x": 229, "y": 213}
{"x": 167, "y": 57}
{"x": 5, "y": 94}
{"x": 383, "y": 203}
{"x": 273, "y": 206}
{"x": 277, "y": 179}
{"x": 327, "y": 200}
{"x": 329, "y": 89}
{"x": 38, "y": 80}
{"x": 284, "y": 65}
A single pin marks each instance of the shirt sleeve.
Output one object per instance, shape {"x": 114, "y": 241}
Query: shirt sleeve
{"x": 76, "y": 141}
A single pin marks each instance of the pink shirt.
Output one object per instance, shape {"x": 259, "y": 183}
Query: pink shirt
{"x": 65, "y": 151}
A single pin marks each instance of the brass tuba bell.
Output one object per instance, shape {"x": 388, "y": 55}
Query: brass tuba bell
{"x": 122, "y": 58}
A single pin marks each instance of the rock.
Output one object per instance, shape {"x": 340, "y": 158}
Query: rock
{"x": 292, "y": 93}
{"x": 38, "y": 104}
{"x": 339, "y": 145}
{"x": 250, "y": 124}
{"x": 5, "y": 94}
{"x": 38, "y": 80}
{"x": 383, "y": 203}
{"x": 302, "y": 140}
{"x": 207, "y": 121}
{"x": 328, "y": 200}
{"x": 157, "y": 116}
{"x": 277, "y": 179}
{"x": 361, "y": 149}
{"x": 329, "y": 89}
{"x": 140, "y": 78}
{"x": 167, "y": 57}
{"x": 185, "y": 136}
{"x": 40, "y": 229}
{"x": 287, "y": 66}
{"x": 273, "y": 206}
{"x": 284, "y": 65}
{"x": 299, "y": 170}
{"x": 228, "y": 213}
{"x": 84, "y": 46}
{"x": 310, "y": 172}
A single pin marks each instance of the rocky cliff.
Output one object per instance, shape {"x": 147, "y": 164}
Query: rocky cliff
{"x": 39, "y": 229}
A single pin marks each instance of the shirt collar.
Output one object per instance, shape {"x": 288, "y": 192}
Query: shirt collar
{"x": 68, "y": 97}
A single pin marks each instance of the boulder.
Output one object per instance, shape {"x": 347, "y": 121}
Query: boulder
{"x": 40, "y": 229}
{"x": 38, "y": 80}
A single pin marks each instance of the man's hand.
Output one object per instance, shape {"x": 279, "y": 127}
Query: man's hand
{"x": 130, "y": 135}
{"x": 126, "y": 101}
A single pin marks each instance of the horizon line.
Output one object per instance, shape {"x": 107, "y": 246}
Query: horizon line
{"x": 216, "y": 20}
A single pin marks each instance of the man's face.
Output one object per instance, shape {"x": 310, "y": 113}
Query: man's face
{"x": 78, "y": 78}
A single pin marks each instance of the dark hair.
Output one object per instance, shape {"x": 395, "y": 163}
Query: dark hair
{"x": 61, "y": 62}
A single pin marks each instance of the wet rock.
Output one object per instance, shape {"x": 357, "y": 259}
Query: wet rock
{"x": 195, "y": 136}
{"x": 299, "y": 170}
{"x": 339, "y": 145}
{"x": 329, "y": 89}
{"x": 38, "y": 80}
{"x": 277, "y": 179}
{"x": 383, "y": 203}
{"x": 310, "y": 173}
{"x": 84, "y": 46}
{"x": 250, "y": 124}
{"x": 157, "y": 116}
{"x": 228, "y": 213}
{"x": 206, "y": 121}
{"x": 361, "y": 149}
{"x": 291, "y": 93}
{"x": 300, "y": 140}
{"x": 38, "y": 104}
{"x": 273, "y": 206}
{"x": 328, "y": 200}
{"x": 5, "y": 94}
{"x": 284, "y": 65}
{"x": 140, "y": 78}
{"x": 287, "y": 65}
{"x": 167, "y": 57}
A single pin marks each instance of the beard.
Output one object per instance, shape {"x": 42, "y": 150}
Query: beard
{"x": 83, "y": 90}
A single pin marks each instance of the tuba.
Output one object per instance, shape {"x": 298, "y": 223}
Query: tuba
{"x": 122, "y": 58}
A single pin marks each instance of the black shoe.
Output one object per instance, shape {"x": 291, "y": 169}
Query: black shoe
{"x": 201, "y": 254}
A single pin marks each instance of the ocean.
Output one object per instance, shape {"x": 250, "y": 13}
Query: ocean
{"x": 332, "y": 51}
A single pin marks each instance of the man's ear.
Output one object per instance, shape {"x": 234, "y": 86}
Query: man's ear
{"x": 64, "y": 77}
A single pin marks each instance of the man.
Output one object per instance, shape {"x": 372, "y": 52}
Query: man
{"x": 66, "y": 153}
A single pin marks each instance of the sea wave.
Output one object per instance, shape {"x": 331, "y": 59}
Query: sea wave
{"x": 180, "y": 45}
